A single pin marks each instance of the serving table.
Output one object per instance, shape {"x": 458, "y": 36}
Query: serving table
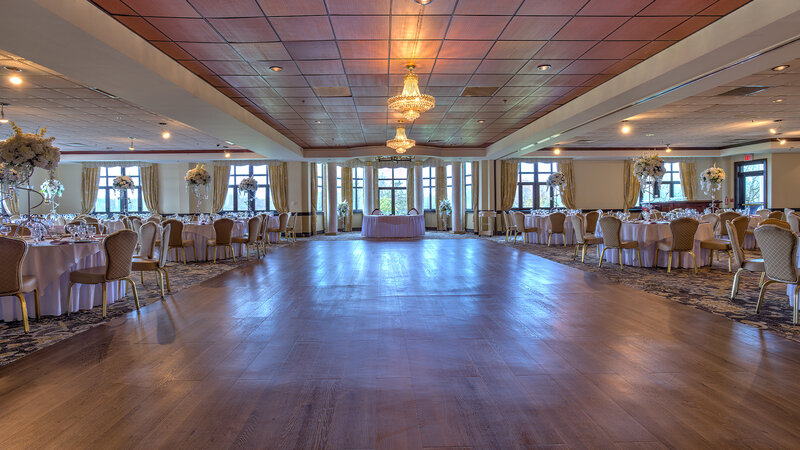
{"x": 380, "y": 226}
{"x": 648, "y": 234}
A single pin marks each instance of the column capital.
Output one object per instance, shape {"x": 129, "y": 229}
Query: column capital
{"x": 368, "y": 163}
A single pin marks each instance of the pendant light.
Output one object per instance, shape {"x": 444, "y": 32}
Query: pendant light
{"x": 400, "y": 143}
{"x": 411, "y": 102}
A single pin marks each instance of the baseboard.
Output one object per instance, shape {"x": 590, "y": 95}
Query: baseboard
{"x": 459, "y": 232}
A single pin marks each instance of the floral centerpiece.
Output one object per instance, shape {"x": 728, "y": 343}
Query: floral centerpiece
{"x": 649, "y": 169}
{"x": 27, "y": 151}
{"x": 51, "y": 189}
{"x": 446, "y": 210}
{"x": 342, "y": 210}
{"x": 249, "y": 184}
{"x": 711, "y": 181}
{"x": 197, "y": 179}
{"x": 122, "y": 183}
{"x": 8, "y": 175}
{"x": 557, "y": 179}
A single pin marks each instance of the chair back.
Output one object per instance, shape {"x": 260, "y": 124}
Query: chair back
{"x": 119, "y": 248}
{"x": 591, "y": 221}
{"x": 283, "y": 220}
{"x": 292, "y": 220}
{"x": 163, "y": 254}
{"x": 713, "y": 219}
{"x": 176, "y": 233}
{"x": 683, "y": 231}
{"x": 776, "y": 215}
{"x": 136, "y": 224}
{"x": 763, "y": 213}
{"x": 776, "y": 222}
{"x": 223, "y": 229}
{"x": 413, "y": 212}
{"x": 794, "y": 222}
{"x": 578, "y": 227}
{"x": 519, "y": 220}
{"x": 724, "y": 217}
{"x": 126, "y": 223}
{"x": 153, "y": 220}
{"x": 19, "y": 230}
{"x": 147, "y": 239}
{"x": 779, "y": 249}
{"x": 656, "y": 215}
{"x": 262, "y": 234}
{"x": 375, "y": 212}
{"x": 736, "y": 245}
{"x": 557, "y": 222}
{"x": 90, "y": 219}
{"x": 740, "y": 224}
{"x": 253, "y": 228}
{"x": 611, "y": 228}
{"x": 13, "y": 251}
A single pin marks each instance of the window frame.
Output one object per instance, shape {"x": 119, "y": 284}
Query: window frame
{"x": 233, "y": 187}
{"x": 393, "y": 188}
{"x": 358, "y": 189}
{"x": 109, "y": 180}
{"x": 429, "y": 188}
{"x": 468, "y": 187}
{"x": 535, "y": 186}
{"x": 737, "y": 196}
{"x": 674, "y": 173}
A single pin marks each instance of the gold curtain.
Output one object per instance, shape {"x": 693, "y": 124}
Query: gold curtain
{"x": 688, "y": 177}
{"x": 278, "y": 187}
{"x": 90, "y": 179}
{"x": 376, "y": 196}
{"x": 631, "y": 185}
{"x": 441, "y": 194}
{"x": 508, "y": 183}
{"x": 149, "y": 184}
{"x": 11, "y": 204}
{"x": 314, "y": 199}
{"x": 347, "y": 196}
{"x": 324, "y": 198}
{"x": 476, "y": 167}
{"x": 568, "y": 191}
{"x": 220, "y": 183}
{"x": 410, "y": 189}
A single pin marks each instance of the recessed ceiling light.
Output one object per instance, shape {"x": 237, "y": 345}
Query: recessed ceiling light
{"x": 782, "y": 141}
{"x": 275, "y": 68}
{"x": 669, "y": 150}
{"x": 12, "y": 69}
{"x": 229, "y": 143}
{"x": 544, "y": 67}
{"x": 773, "y": 131}
{"x": 424, "y": 2}
{"x": 165, "y": 134}
{"x": 227, "y": 154}
{"x": 481, "y": 121}
{"x": 649, "y": 134}
{"x": 781, "y": 68}
{"x": 317, "y": 121}
{"x": 13, "y": 79}
{"x": 625, "y": 128}
{"x": 556, "y": 151}
{"x": 778, "y": 100}
{"x": 132, "y": 147}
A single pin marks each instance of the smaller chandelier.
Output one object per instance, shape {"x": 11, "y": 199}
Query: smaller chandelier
{"x": 411, "y": 103}
{"x": 400, "y": 143}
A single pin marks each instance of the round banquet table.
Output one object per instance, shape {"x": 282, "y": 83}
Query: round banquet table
{"x": 543, "y": 224}
{"x": 201, "y": 233}
{"x": 51, "y": 264}
{"x": 750, "y": 239}
{"x": 379, "y": 226}
{"x": 648, "y": 234}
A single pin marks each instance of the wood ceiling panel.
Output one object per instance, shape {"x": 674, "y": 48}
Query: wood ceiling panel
{"x": 293, "y": 7}
{"x": 306, "y": 28}
{"x": 501, "y": 66}
{"x": 230, "y": 67}
{"x": 143, "y": 28}
{"x": 160, "y": 8}
{"x": 186, "y": 30}
{"x": 412, "y": 50}
{"x": 676, "y": 7}
{"x": 361, "y": 27}
{"x": 515, "y": 49}
{"x": 551, "y": 8}
{"x": 228, "y": 8}
{"x": 219, "y": 52}
{"x": 613, "y": 8}
{"x": 645, "y": 28}
{"x": 377, "y": 7}
{"x": 364, "y": 49}
{"x": 321, "y": 67}
{"x": 533, "y": 28}
{"x": 432, "y": 27}
{"x": 589, "y": 28}
{"x": 494, "y": 7}
{"x": 477, "y": 27}
{"x": 613, "y": 49}
{"x": 312, "y": 50}
{"x": 248, "y": 29}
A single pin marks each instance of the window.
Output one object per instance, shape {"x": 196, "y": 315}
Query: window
{"x": 750, "y": 186}
{"x": 237, "y": 201}
{"x": 392, "y": 190}
{"x": 669, "y": 188}
{"x": 449, "y": 182}
{"x": 429, "y": 188}
{"x": 532, "y": 189}
{"x": 320, "y": 190}
{"x": 110, "y": 201}
{"x": 358, "y": 188}
{"x": 338, "y": 185}
{"x": 468, "y": 186}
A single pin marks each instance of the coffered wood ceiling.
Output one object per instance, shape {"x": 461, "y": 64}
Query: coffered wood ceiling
{"x": 364, "y": 46}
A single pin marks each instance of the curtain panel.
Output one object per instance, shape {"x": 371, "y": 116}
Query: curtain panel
{"x": 631, "y": 185}
{"x": 441, "y": 194}
{"x": 688, "y": 179}
{"x": 476, "y": 184}
{"x": 410, "y": 189}
{"x": 278, "y": 187}
{"x": 376, "y": 197}
{"x": 149, "y": 184}
{"x": 568, "y": 191}
{"x": 90, "y": 179}
{"x": 508, "y": 183}
{"x": 220, "y": 183}
{"x": 314, "y": 199}
{"x": 324, "y": 198}
{"x": 347, "y": 196}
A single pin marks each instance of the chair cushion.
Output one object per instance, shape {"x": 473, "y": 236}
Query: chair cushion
{"x": 273, "y": 230}
{"x": 188, "y": 243}
{"x": 665, "y": 245}
{"x": 629, "y": 244}
{"x": 716, "y": 244}
{"x": 592, "y": 239}
{"x": 754, "y": 265}
{"x": 211, "y": 242}
{"x": 143, "y": 264}
{"x": 92, "y": 275}
{"x": 530, "y": 230}
{"x": 240, "y": 240}
{"x": 28, "y": 283}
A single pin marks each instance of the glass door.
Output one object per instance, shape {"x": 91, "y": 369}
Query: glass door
{"x": 751, "y": 185}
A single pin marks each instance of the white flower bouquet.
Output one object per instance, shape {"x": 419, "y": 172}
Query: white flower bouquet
{"x": 445, "y": 207}
{"x": 649, "y": 169}
{"x": 9, "y": 175}
{"x": 249, "y": 184}
{"x": 123, "y": 183}
{"x": 342, "y": 209}
{"x": 26, "y": 151}
{"x": 198, "y": 176}
{"x": 52, "y": 188}
{"x": 711, "y": 179}
{"x": 556, "y": 179}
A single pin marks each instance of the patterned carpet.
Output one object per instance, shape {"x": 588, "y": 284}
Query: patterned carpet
{"x": 708, "y": 291}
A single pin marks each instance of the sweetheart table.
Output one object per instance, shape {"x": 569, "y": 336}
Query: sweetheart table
{"x": 380, "y": 226}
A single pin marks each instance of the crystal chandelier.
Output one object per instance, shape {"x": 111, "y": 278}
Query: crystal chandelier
{"x": 400, "y": 143}
{"x": 411, "y": 103}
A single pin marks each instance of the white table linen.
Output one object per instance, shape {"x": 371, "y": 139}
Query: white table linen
{"x": 648, "y": 235}
{"x": 379, "y": 226}
{"x": 542, "y": 223}
{"x": 200, "y": 233}
{"x": 749, "y": 239}
{"x": 51, "y": 264}
{"x": 112, "y": 226}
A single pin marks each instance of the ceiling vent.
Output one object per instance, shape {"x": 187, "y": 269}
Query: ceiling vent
{"x": 742, "y": 91}
{"x": 332, "y": 91}
{"x": 102, "y": 92}
{"x": 479, "y": 91}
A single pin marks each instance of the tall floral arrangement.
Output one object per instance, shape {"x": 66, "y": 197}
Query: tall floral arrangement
{"x": 711, "y": 181}
{"x": 122, "y": 183}
{"x": 52, "y": 188}
{"x": 649, "y": 169}
{"x": 556, "y": 179}
{"x": 248, "y": 184}
{"x": 27, "y": 151}
{"x": 8, "y": 175}
{"x": 197, "y": 179}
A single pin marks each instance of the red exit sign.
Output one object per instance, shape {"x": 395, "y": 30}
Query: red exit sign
{"x": 748, "y": 157}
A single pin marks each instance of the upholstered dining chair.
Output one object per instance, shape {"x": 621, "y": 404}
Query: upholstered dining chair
{"x": 413, "y": 212}
{"x": 262, "y": 232}
{"x": 223, "y": 231}
{"x": 177, "y": 241}
{"x": 713, "y": 219}
{"x": 283, "y": 220}
{"x": 776, "y": 215}
{"x": 777, "y": 222}
{"x": 290, "y": 227}
{"x": 90, "y": 219}
{"x": 724, "y": 217}
{"x": 508, "y": 222}
{"x": 12, "y": 282}
{"x": 740, "y": 262}
{"x": 147, "y": 240}
{"x": 683, "y": 231}
{"x": 794, "y": 222}
{"x": 556, "y": 226}
{"x": 158, "y": 265}
{"x": 591, "y": 222}
{"x": 656, "y": 215}
{"x": 519, "y": 227}
{"x": 376, "y": 212}
{"x": 136, "y": 223}
{"x": 763, "y": 213}
{"x": 126, "y": 223}
{"x": 612, "y": 228}
{"x": 19, "y": 230}
{"x": 118, "y": 249}
{"x": 582, "y": 240}
{"x": 153, "y": 219}
{"x": 251, "y": 240}
{"x": 779, "y": 249}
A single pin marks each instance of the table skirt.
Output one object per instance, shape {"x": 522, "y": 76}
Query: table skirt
{"x": 393, "y": 226}
{"x": 543, "y": 224}
{"x": 648, "y": 235}
{"x": 201, "y": 233}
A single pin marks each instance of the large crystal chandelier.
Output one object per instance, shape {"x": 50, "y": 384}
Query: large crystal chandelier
{"x": 411, "y": 103}
{"x": 400, "y": 143}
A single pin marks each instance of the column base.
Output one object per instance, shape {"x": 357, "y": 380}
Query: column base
{"x": 330, "y": 234}
{"x": 459, "y": 232}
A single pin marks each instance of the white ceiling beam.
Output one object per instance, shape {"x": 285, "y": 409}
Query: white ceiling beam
{"x": 77, "y": 39}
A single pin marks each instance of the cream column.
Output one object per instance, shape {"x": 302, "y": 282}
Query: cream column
{"x": 458, "y": 210}
{"x": 333, "y": 221}
{"x": 419, "y": 197}
{"x": 368, "y": 194}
